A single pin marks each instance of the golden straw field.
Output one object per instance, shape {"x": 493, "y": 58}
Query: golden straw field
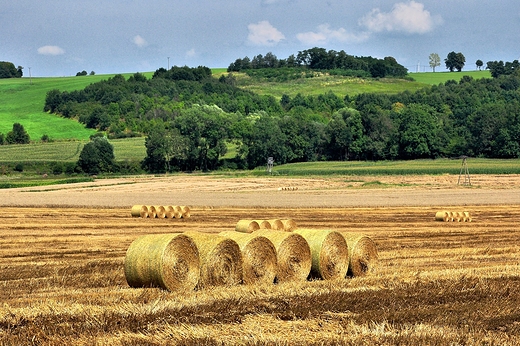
{"x": 62, "y": 256}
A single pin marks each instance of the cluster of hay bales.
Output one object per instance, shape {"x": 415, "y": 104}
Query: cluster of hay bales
{"x": 193, "y": 260}
{"x": 288, "y": 188}
{"x": 249, "y": 226}
{"x": 453, "y": 216}
{"x": 161, "y": 212}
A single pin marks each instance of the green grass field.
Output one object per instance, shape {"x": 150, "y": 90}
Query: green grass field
{"x": 435, "y": 78}
{"x": 438, "y": 166}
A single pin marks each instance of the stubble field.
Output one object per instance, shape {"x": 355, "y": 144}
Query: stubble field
{"x": 437, "y": 283}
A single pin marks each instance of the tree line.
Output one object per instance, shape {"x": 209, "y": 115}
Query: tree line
{"x": 320, "y": 59}
{"x": 8, "y": 70}
{"x": 190, "y": 119}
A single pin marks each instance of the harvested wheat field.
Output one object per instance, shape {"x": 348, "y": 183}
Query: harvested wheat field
{"x": 62, "y": 267}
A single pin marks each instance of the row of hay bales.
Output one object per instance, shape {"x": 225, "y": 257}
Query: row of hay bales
{"x": 192, "y": 260}
{"x": 161, "y": 212}
{"x": 453, "y": 216}
{"x": 249, "y": 226}
{"x": 288, "y": 188}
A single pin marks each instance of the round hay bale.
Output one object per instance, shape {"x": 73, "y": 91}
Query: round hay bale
{"x": 467, "y": 216}
{"x": 185, "y": 212}
{"x": 457, "y": 216}
{"x": 276, "y": 224}
{"x": 264, "y": 224}
{"x": 177, "y": 211}
{"x": 168, "y": 261}
{"x": 169, "y": 212}
{"x": 293, "y": 254}
{"x": 220, "y": 260}
{"x": 247, "y": 226}
{"x": 152, "y": 212}
{"x": 329, "y": 252}
{"x": 289, "y": 225}
{"x": 451, "y": 216}
{"x": 160, "y": 211}
{"x": 140, "y": 211}
{"x": 259, "y": 262}
{"x": 442, "y": 216}
{"x": 363, "y": 255}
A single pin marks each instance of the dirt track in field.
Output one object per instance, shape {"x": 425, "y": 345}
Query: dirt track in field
{"x": 218, "y": 191}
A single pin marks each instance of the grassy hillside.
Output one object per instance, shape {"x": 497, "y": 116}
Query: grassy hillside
{"x": 434, "y": 78}
{"x": 22, "y": 101}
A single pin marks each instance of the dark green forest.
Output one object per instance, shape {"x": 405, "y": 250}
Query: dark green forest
{"x": 190, "y": 118}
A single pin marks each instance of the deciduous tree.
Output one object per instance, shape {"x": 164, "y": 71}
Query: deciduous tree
{"x": 435, "y": 60}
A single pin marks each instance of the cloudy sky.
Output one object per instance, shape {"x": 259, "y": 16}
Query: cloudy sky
{"x": 62, "y": 37}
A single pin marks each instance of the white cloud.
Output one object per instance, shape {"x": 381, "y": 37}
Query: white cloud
{"x": 408, "y": 17}
{"x": 264, "y": 34}
{"x": 51, "y": 50}
{"x": 325, "y": 34}
{"x": 140, "y": 42}
{"x": 191, "y": 53}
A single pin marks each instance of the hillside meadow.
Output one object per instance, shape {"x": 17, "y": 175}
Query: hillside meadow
{"x": 22, "y": 99}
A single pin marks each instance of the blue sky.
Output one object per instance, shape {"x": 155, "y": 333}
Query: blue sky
{"x": 62, "y": 37}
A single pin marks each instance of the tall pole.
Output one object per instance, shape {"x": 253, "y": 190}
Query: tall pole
{"x": 30, "y": 76}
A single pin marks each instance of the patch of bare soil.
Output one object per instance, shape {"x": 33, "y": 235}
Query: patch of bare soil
{"x": 274, "y": 191}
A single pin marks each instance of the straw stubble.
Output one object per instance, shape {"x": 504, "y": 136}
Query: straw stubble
{"x": 330, "y": 253}
{"x": 258, "y": 256}
{"x": 168, "y": 261}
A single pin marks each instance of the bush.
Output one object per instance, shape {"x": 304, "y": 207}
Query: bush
{"x": 18, "y": 167}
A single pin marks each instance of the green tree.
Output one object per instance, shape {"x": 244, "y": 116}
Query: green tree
{"x": 417, "y": 132}
{"x": 2, "y": 139}
{"x": 455, "y": 61}
{"x": 345, "y": 135}
{"x": 164, "y": 148}
{"x": 435, "y": 60}
{"x": 479, "y": 64}
{"x": 97, "y": 156}
{"x": 18, "y": 135}
{"x": 8, "y": 70}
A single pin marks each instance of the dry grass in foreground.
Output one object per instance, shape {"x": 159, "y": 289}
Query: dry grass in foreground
{"x": 62, "y": 283}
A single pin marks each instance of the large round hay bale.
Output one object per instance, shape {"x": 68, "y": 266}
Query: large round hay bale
{"x": 185, "y": 211}
{"x": 276, "y": 224}
{"x": 160, "y": 211}
{"x": 289, "y": 225}
{"x": 140, "y": 211}
{"x": 220, "y": 260}
{"x": 264, "y": 224}
{"x": 259, "y": 262}
{"x": 152, "y": 212}
{"x": 458, "y": 216}
{"x": 442, "y": 216}
{"x": 467, "y": 216}
{"x": 247, "y": 226}
{"x": 329, "y": 252}
{"x": 363, "y": 256}
{"x": 293, "y": 254}
{"x": 177, "y": 211}
{"x": 169, "y": 261}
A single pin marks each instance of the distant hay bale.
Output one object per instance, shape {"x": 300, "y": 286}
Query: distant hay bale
{"x": 247, "y": 226}
{"x": 467, "y": 216}
{"x": 168, "y": 261}
{"x": 264, "y": 224}
{"x": 160, "y": 212}
{"x": 363, "y": 256}
{"x": 289, "y": 225}
{"x": 293, "y": 254}
{"x": 259, "y": 263}
{"x": 185, "y": 212}
{"x": 442, "y": 216}
{"x": 177, "y": 211}
{"x": 140, "y": 211}
{"x": 330, "y": 253}
{"x": 170, "y": 212}
{"x": 220, "y": 260}
{"x": 276, "y": 224}
{"x": 458, "y": 216}
{"x": 152, "y": 212}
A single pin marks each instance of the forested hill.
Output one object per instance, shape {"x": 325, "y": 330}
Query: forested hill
{"x": 190, "y": 117}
